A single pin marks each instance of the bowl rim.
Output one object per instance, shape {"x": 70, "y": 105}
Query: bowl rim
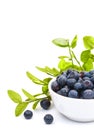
{"x": 67, "y": 98}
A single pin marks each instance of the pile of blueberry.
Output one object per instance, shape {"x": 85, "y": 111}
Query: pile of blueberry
{"x": 74, "y": 84}
{"x": 45, "y": 104}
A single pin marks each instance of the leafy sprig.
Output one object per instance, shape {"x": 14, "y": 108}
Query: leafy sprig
{"x": 86, "y": 63}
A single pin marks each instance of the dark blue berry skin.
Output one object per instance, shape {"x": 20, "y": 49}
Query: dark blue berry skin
{"x": 64, "y": 91}
{"x": 69, "y": 71}
{"x": 71, "y": 82}
{"x": 91, "y": 72}
{"x": 87, "y": 84}
{"x": 88, "y": 94}
{"x": 87, "y": 74}
{"x": 55, "y": 86}
{"x": 92, "y": 79}
{"x": 74, "y": 75}
{"x": 78, "y": 86}
{"x": 28, "y": 114}
{"x": 61, "y": 80}
{"x": 64, "y": 74}
{"x": 80, "y": 80}
{"x": 86, "y": 78}
{"x": 45, "y": 104}
{"x": 73, "y": 94}
{"x": 48, "y": 118}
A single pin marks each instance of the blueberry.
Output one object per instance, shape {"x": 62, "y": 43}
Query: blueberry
{"x": 87, "y": 84}
{"x": 48, "y": 118}
{"x": 55, "y": 86}
{"x": 71, "y": 82}
{"x": 78, "y": 86}
{"x": 87, "y": 74}
{"x": 91, "y": 72}
{"x": 86, "y": 78}
{"x": 64, "y": 91}
{"x": 80, "y": 80}
{"x": 64, "y": 74}
{"x": 92, "y": 79}
{"x": 74, "y": 75}
{"x": 88, "y": 94}
{"x": 73, "y": 94}
{"x": 45, "y": 104}
{"x": 61, "y": 80}
{"x": 69, "y": 71}
{"x": 28, "y": 114}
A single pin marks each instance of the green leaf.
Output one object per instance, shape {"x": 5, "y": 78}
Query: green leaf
{"x": 34, "y": 79}
{"x": 61, "y": 42}
{"x": 76, "y": 67}
{"x": 88, "y": 42}
{"x": 85, "y": 55}
{"x": 27, "y": 94}
{"x": 15, "y": 97}
{"x": 64, "y": 65}
{"x": 45, "y": 89}
{"x": 47, "y": 80}
{"x": 74, "y": 42}
{"x": 35, "y": 104}
{"x": 49, "y": 71}
{"x": 20, "y": 108}
{"x": 88, "y": 65}
{"x": 63, "y": 57}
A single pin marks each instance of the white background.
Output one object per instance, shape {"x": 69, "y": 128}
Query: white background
{"x": 27, "y": 28}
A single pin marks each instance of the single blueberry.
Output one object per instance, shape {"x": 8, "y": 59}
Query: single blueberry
{"x": 87, "y": 74}
{"x": 71, "y": 82}
{"x": 86, "y": 78}
{"x": 88, "y": 94}
{"x": 28, "y": 114}
{"x": 45, "y": 104}
{"x": 73, "y": 94}
{"x": 87, "y": 84}
{"x": 78, "y": 86}
{"x": 64, "y": 91}
{"x": 80, "y": 80}
{"x": 69, "y": 71}
{"x": 92, "y": 79}
{"x": 48, "y": 118}
{"x": 91, "y": 72}
{"x": 55, "y": 86}
{"x": 61, "y": 80}
{"x": 74, "y": 75}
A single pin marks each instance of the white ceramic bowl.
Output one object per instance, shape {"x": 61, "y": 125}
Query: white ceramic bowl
{"x": 81, "y": 110}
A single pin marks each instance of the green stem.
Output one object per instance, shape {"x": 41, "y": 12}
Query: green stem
{"x": 77, "y": 60}
{"x": 39, "y": 94}
{"x": 71, "y": 55}
{"x": 39, "y": 99}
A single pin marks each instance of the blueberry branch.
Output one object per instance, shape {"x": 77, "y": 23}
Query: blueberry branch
{"x": 71, "y": 55}
{"x": 77, "y": 60}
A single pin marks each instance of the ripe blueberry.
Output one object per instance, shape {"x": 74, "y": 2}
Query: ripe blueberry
{"x": 48, "y": 118}
{"x": 55, "y": 86}
{"x": 88, "y": 94}
{"x": 73, "y": 94}
{"x": 87, "y": 84}
{"x": 28, "y": 114}
{"x": 64, "y": 91}
{"x": 78, "y": 86}
{"x": 45, "y": 104}
{"x": 61, "y": 80}
{"x": 71, "y": 82}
